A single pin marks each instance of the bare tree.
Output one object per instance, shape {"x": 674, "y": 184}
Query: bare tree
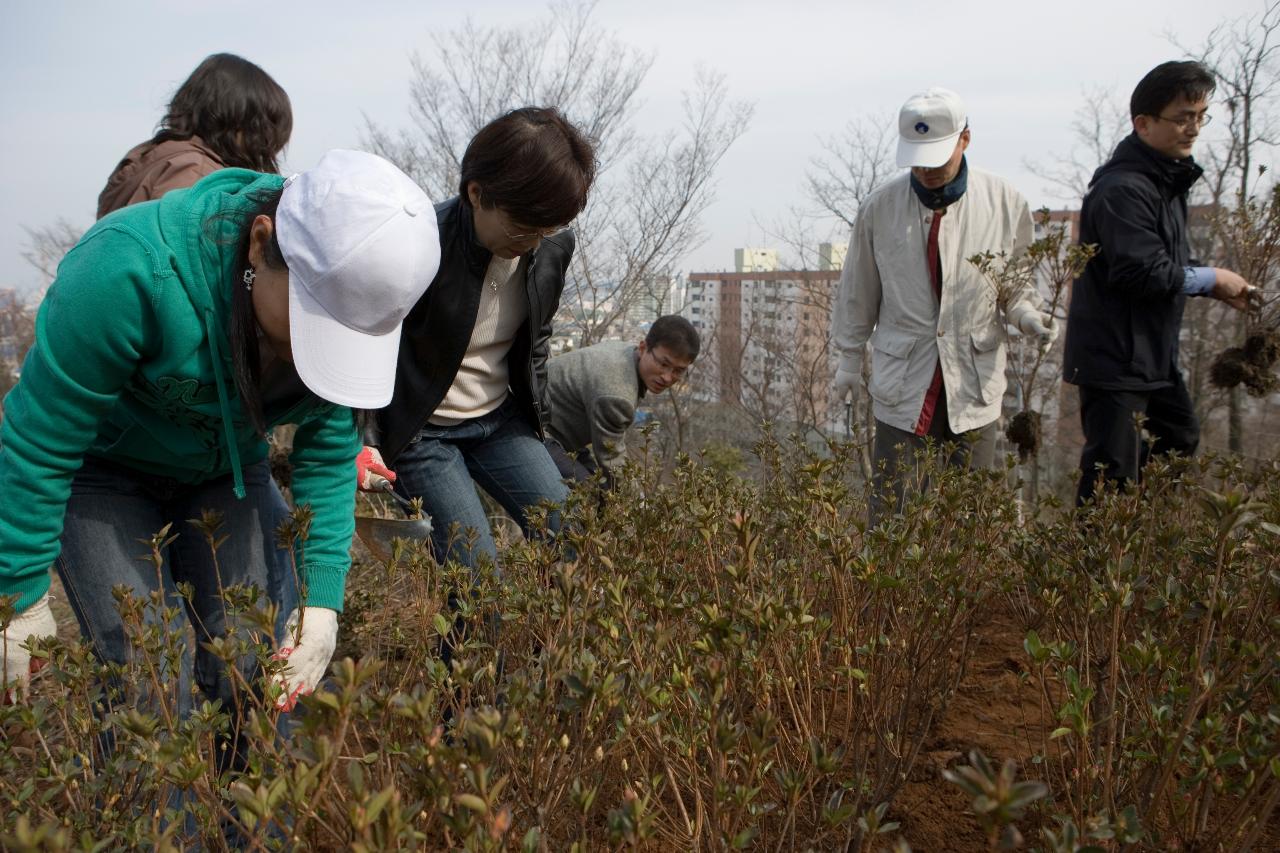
{"x": 638, "y": 228}
{"x": 852, "y": 165}
{"x": 17, "y": 333}
{"x": 644, "y": 210}
{"x": 44, "y": 250}
{"x": 1096, "y": 129}
{"x": 474, "y": 74}
{"x": 47, "y": 245}
{"x": 1244, "y": 56}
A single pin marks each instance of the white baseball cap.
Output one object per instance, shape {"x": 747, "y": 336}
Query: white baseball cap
{"x": 361, "y": 243}
{"x": 928, "y": 125}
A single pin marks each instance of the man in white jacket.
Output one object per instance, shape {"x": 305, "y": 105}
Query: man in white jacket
{"x": 936, "y": 332}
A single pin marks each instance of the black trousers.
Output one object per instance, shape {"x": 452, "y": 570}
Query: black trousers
{"x": 1112, "y": 440}
{"x": 577, "y": 468}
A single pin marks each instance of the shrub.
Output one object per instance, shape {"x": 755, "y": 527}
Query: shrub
{"x": 723, "y": 664}
{"x": 1159, "y": 656}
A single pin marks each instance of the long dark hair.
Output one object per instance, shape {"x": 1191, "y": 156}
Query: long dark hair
{"x": 533, "y": 164}
{"x": 240, "y": 113}
{"x": 245, "y": 361}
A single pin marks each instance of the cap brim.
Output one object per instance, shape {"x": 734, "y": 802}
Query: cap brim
{"x": 926, "y": 155}
{"x": 336, "y": 362}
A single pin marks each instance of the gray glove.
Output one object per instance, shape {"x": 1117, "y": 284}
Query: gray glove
{"x": 847, "y": 384}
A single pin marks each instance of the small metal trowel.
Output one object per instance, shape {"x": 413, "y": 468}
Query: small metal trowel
{"x": 378, "y": 534}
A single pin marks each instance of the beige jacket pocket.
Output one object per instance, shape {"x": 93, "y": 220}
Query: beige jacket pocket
{"x": 890, "y": 362}
{"x": 988, "y": 360}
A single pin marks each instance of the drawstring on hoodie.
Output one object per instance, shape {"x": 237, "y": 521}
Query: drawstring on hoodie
{"x": 224, "y": 405}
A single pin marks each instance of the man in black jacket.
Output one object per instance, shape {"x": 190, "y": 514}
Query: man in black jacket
{"x": 470, "y": 400}
{"x": 1126, "y": 308}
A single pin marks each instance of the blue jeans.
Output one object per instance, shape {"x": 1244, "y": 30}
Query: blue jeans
{"x": 500, "y": 453}
{"x": 112, "y": 507}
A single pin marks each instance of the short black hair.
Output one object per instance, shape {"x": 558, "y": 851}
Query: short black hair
{"x": 533, "y": 164}
{"x": 676, "y": 334}
{"x": 1164, "y": 83}
{"x": 236, "y": 108}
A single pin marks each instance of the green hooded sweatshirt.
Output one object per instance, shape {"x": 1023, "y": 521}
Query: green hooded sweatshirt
{"x": 131, "y": 363}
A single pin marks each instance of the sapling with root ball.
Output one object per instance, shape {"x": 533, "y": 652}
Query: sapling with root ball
{"x": 1250, "y": 236}
{"x": 1047, "y": 266}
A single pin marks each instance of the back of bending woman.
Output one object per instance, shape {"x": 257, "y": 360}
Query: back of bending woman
{"x": 470, "y": 401}
{"x": 176, "y": 333}
{"x": 228, "y": 113}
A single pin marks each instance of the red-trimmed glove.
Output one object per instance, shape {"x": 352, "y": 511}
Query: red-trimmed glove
{"x": 311, "y": 635}
{"x": 371, "y": 472}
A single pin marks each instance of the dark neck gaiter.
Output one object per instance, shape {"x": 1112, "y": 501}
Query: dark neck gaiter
{"x": 946, "y": 194}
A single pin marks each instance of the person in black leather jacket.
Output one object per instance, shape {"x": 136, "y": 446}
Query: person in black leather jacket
{"x": 1126, "y": 308}
{"x": 470, "y": 401}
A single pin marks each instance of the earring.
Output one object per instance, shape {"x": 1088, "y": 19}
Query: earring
{"x": 248, "y": 277}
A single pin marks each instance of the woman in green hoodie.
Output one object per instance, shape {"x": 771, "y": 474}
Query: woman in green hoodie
{"x": 176, "y": 334}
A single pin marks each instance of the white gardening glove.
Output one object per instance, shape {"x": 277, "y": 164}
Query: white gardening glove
{"x": 372, "y": 474}
{"x": 36, "y": 622}
{"x": 846, "y": 385}
{"x": 1040, "y": 326}
{"x": 308, "y": 652}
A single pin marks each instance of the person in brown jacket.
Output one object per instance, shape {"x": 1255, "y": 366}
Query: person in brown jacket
{"x": 229, "y": 112}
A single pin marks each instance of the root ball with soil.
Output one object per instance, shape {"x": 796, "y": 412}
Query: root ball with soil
{"x": 1024, "y": 432}
{"x": 1251, "y": 365}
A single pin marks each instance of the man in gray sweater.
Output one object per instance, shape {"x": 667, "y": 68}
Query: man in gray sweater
{"x": 593, "y": 393}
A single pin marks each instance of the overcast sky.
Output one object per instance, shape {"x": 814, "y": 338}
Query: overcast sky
{"x": 85, "y": 81}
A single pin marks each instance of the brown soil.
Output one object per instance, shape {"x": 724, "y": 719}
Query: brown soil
{"x": 995, "y": 709}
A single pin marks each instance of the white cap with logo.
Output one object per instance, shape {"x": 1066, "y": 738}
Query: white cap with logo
{"x": 928, "y": 125}
{"x": 362, "y": 246}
